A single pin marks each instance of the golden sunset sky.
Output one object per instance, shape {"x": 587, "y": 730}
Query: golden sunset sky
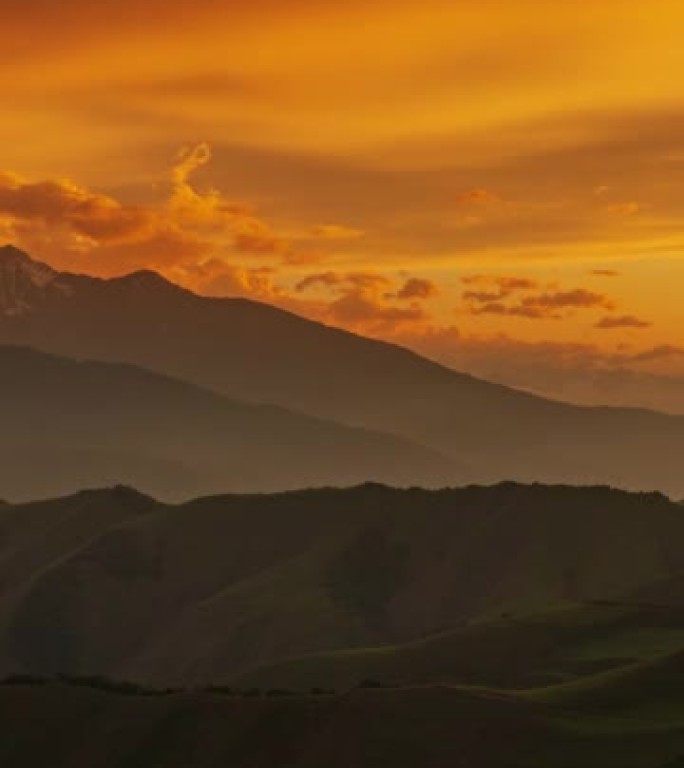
{"x": 495, "y": 183}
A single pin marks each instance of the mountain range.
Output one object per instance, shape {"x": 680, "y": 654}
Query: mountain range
{"x": 479, "y": 627}
{"x": 113, "y": 582}
{"x": 69, "y": 425}
{"x": 252, "y": 352}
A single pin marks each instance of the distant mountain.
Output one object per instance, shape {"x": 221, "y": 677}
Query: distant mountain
{"x": 68, "y": 425}
{"x": 253, "y": 351}
{"x": 113, "y": 582}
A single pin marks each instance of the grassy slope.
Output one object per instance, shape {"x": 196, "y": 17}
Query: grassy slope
{"x": 201, "y": 592}
{"x": 560, "y": 645}
{"x": 434, "y": 727}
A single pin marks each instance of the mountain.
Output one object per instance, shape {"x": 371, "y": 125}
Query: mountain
{"x": 112, "y": 582}
{"x": 68, "y": 425}
{"x": 252, "y": 351}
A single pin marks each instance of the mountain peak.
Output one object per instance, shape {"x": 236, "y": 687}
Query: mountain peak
{"x": 20, "y": 279}
{"x": 10, "y": 254}
{"x": 144, "y": 278}
{"x": 14, "y": 259}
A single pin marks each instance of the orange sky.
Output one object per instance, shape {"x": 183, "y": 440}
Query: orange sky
{"x": 494, "y": 182}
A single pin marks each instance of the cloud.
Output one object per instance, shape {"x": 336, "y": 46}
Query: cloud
{"x": 571, "y": 371}
{"x": 522, "y": 297}
{"x": 417, "y": 289}
{"x": 256, "y": 237}
{"x": 63, "y": 204}
{"x": 660, "y": 352}
{"x": 341, "y": 282}
{"x": 74, "y": 228}
{"x": 328, "y": 279}
{"x": 336, "y": 232}
{"x": 219, "y": 278}
{"x": 363, "y": 300}
{"x": 501, "y": 287}
{"x": 623, "y": 321}
{"x": 605, "y": 273}
{"x": 356, "y": 308}
{"x": 478, "y": 198}
{"x": 624, "y": 209}
{"x": 578, "y": 298}
{"x": 503, "y": 283}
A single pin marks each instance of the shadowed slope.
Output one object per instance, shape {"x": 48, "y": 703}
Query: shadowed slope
{"x": 202, "y": 592}
{"x": 522, "y": 652}
{"x": 402, "y": 728}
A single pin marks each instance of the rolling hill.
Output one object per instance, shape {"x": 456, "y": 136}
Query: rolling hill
{"x": 67, "y": 425}
{"x": 561, "y": 645}
{"x": 112, "y": 582}
{"x": 252, "y": 351}
{"x": 429, "y": 727}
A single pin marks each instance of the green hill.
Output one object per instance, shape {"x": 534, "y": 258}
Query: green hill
{"x": 560, "y": 645}
{"x": 73, "y": 726}
{"x": 115, "y": 583}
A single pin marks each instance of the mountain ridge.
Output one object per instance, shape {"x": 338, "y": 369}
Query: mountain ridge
{"x": 258, "y": 353}
{"x": 69, "y": 424}
{"x": 201, "y": 592}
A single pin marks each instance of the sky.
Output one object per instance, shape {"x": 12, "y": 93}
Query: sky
{"x": 495, "y": 183}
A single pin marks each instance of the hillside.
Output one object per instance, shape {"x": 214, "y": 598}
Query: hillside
{"x": 252, "y": 351}
{"x": 67, "y": 425}
{"x": 560, "y": 645}
{"x": 116, "y": 583}
{"x": 402, "y": 728}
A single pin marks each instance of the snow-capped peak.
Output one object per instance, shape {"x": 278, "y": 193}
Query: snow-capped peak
{"x": 21, "y": 280}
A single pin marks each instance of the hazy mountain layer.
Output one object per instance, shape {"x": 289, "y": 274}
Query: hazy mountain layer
{"x": 68, "y": 425}
{"x": 253, "y": 351}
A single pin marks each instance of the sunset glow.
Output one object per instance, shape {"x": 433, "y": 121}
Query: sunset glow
{"x": 495, "y": 183}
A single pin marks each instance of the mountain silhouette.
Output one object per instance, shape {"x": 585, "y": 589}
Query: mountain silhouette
{"x": 252, "y": 351}
{"x": 68, "y": 425}
{"x": 113, "y": 582}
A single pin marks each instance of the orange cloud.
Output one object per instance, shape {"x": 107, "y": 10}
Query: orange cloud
{"x": 605, "y": 273}
{"x": 63, "y": 204}
{"x": 417, "y": 289}
{"x": 625, "y": 209}
{"x": 74, "y": 228}
{"x": 478, "y": 198}
{"x": 623, "y": 321}
{"x": 336, "y": 232}
{"x": 340, "y": 283}
{"x": 547, "y": 305}
{"x": 363, "y": 300}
